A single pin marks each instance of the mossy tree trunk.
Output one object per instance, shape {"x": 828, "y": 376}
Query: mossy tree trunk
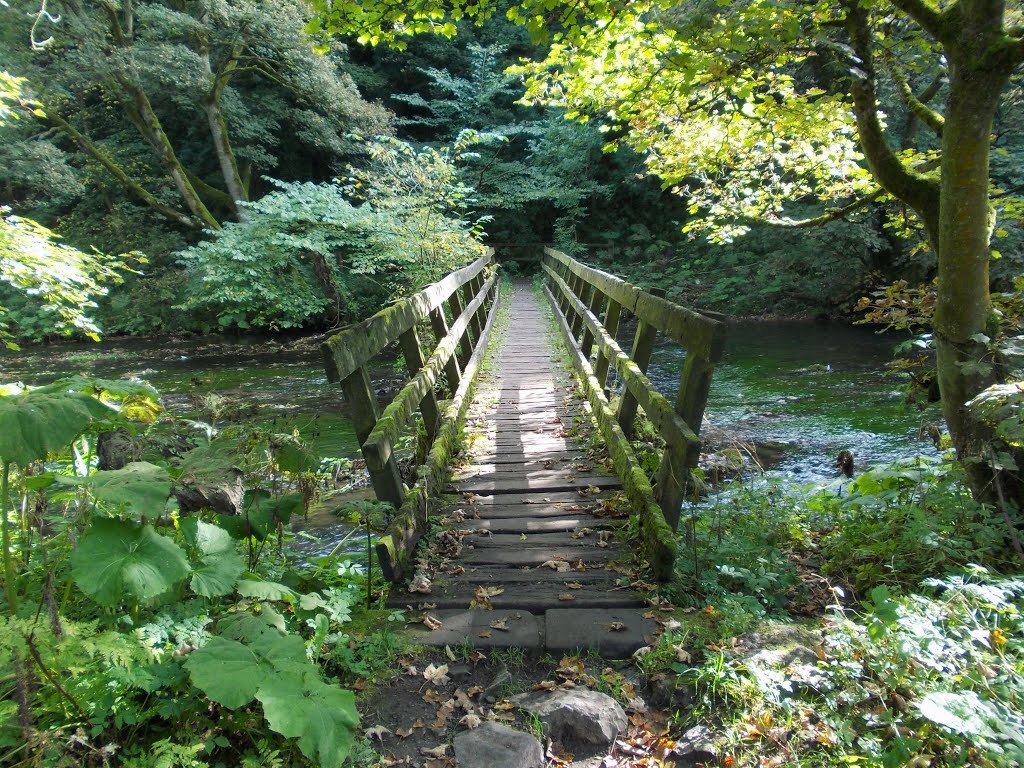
{"x": 963, "y": 315}
{"x": 955, "y": 207}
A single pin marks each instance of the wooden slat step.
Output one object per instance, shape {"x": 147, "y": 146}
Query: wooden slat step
{"x": 530, "y": 525}
{"x": 555, "y": 482}
{"x": 538, "y": 598}
{"x": 534, "y": 556}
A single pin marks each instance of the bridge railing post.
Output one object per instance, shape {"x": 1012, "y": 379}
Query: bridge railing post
{"x": 643, "y": 347}
{"x": 452, "y": 369}
{"x": 384, "y": 474}
{"x": 611, "y": 324}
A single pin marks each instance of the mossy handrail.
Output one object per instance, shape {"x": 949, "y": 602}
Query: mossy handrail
{"x": 588, "y": 303}
{"x": 470, "y": 295}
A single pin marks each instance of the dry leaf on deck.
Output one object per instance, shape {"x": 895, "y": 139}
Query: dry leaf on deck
{"x": 430, "y": 622}
{"x": 616, "y": 626}
{"x": 420, "y": 583}
{"x": 565, "y": 596}
{"x": 501, "y": 624}
{"x": 440, "y": 751}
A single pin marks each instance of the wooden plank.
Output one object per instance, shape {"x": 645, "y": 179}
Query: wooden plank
{"x": 538, "y": 598}
{"x": 533, "y": 524}
{"x": 611, "y": 326}
{"x": 496, "y": 484}
{"x": 351, "y": 347}
{"x": 537, "y": 556}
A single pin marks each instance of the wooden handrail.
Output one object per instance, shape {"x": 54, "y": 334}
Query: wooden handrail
{"x": 354, "y": 346}
{"x": 580, "y": 295}
{"x": 347, "y": 355}
{"x": 697, "y": 332}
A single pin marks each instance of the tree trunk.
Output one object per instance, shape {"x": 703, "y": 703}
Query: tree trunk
{"x": 225, "y": 156}
{"x": 963, "y": 313}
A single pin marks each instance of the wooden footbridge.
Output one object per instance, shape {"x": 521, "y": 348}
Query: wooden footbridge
{"x": 549, "y": 533}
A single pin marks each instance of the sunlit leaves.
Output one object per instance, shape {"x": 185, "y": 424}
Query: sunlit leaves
{"x": 65, "y": 279}
{"x": 118, "y": 562}
{"x": 219, "y": 564}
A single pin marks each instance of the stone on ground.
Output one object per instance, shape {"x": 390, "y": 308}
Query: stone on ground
{"x": 497, "y": 746}
{"x": 576, "y": 716}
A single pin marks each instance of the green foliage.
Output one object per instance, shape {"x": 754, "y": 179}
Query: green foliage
{"x": 139, "y": 489}
{"x": 305, "y": 254}
{"x": 946, "y": 661}
{"x": 64, "y": 279}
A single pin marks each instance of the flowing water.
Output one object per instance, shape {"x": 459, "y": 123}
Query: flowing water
{"x": 816, "y": 388}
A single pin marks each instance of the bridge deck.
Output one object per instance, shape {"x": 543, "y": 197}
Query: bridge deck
{"x": 532, "y": 532}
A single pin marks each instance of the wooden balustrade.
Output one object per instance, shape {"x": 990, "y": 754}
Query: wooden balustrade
{"x": 471, "y": 296}
{"x": 581, "y": 296}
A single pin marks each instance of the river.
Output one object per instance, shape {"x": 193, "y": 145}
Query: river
{"x": 818, "y": 388}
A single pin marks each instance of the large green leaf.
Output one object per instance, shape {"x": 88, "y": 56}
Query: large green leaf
{"x": 141, "y": 488}
{"x": 119, "y": 388}
{"x": 118, "y": 561}
{"x": 322, "y": 717}
{"x": 230, "y": 668}
{"x": 34, "y": 425}
{"x": 227, "y": 671}
{"x": 257, "y": 589}
{"x": 219, "y": 563}
{"x": 261, "y": 513}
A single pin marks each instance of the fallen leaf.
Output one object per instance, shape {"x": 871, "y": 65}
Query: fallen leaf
{"x": 544, "y": 685}
{"x": 436, "y": 675}
{"x": 420, "y": 583}
{"x": 403, "y": 733}
{"x": 484, "y": 633}
{"x": 573, "y": 585}
{"x": 430, "y": 622}
{"x": 470, "y": 721}
{"x": 616, "y": 626}
{"x": 501, "y": 624}
{"x": 561, "y": 566}
{"x": 565, "y": 596}
{"x": 440, "y": 751}
{"x": 377, "y": 732}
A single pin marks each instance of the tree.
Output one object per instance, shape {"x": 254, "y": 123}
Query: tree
{"x": 211, "y": 89}
{"x": 745, "y": 106}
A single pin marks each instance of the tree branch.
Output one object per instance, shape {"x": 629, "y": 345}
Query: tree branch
{"x": 931, "y": 19}
{"x": 917, "y": 108}
{"x": 915, "y": 189}
{"x": 833, "y": 214}
{"x": 133, "y": 187}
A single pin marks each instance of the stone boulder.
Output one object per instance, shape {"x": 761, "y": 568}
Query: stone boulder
{"x": 493, "y": 745}
{"x": 576, "y": 716}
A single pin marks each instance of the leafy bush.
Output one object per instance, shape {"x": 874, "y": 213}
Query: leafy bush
{"x": 306, "y": 254}
{"x": 174, "y": 647}
{"x": 903, "y": 523}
